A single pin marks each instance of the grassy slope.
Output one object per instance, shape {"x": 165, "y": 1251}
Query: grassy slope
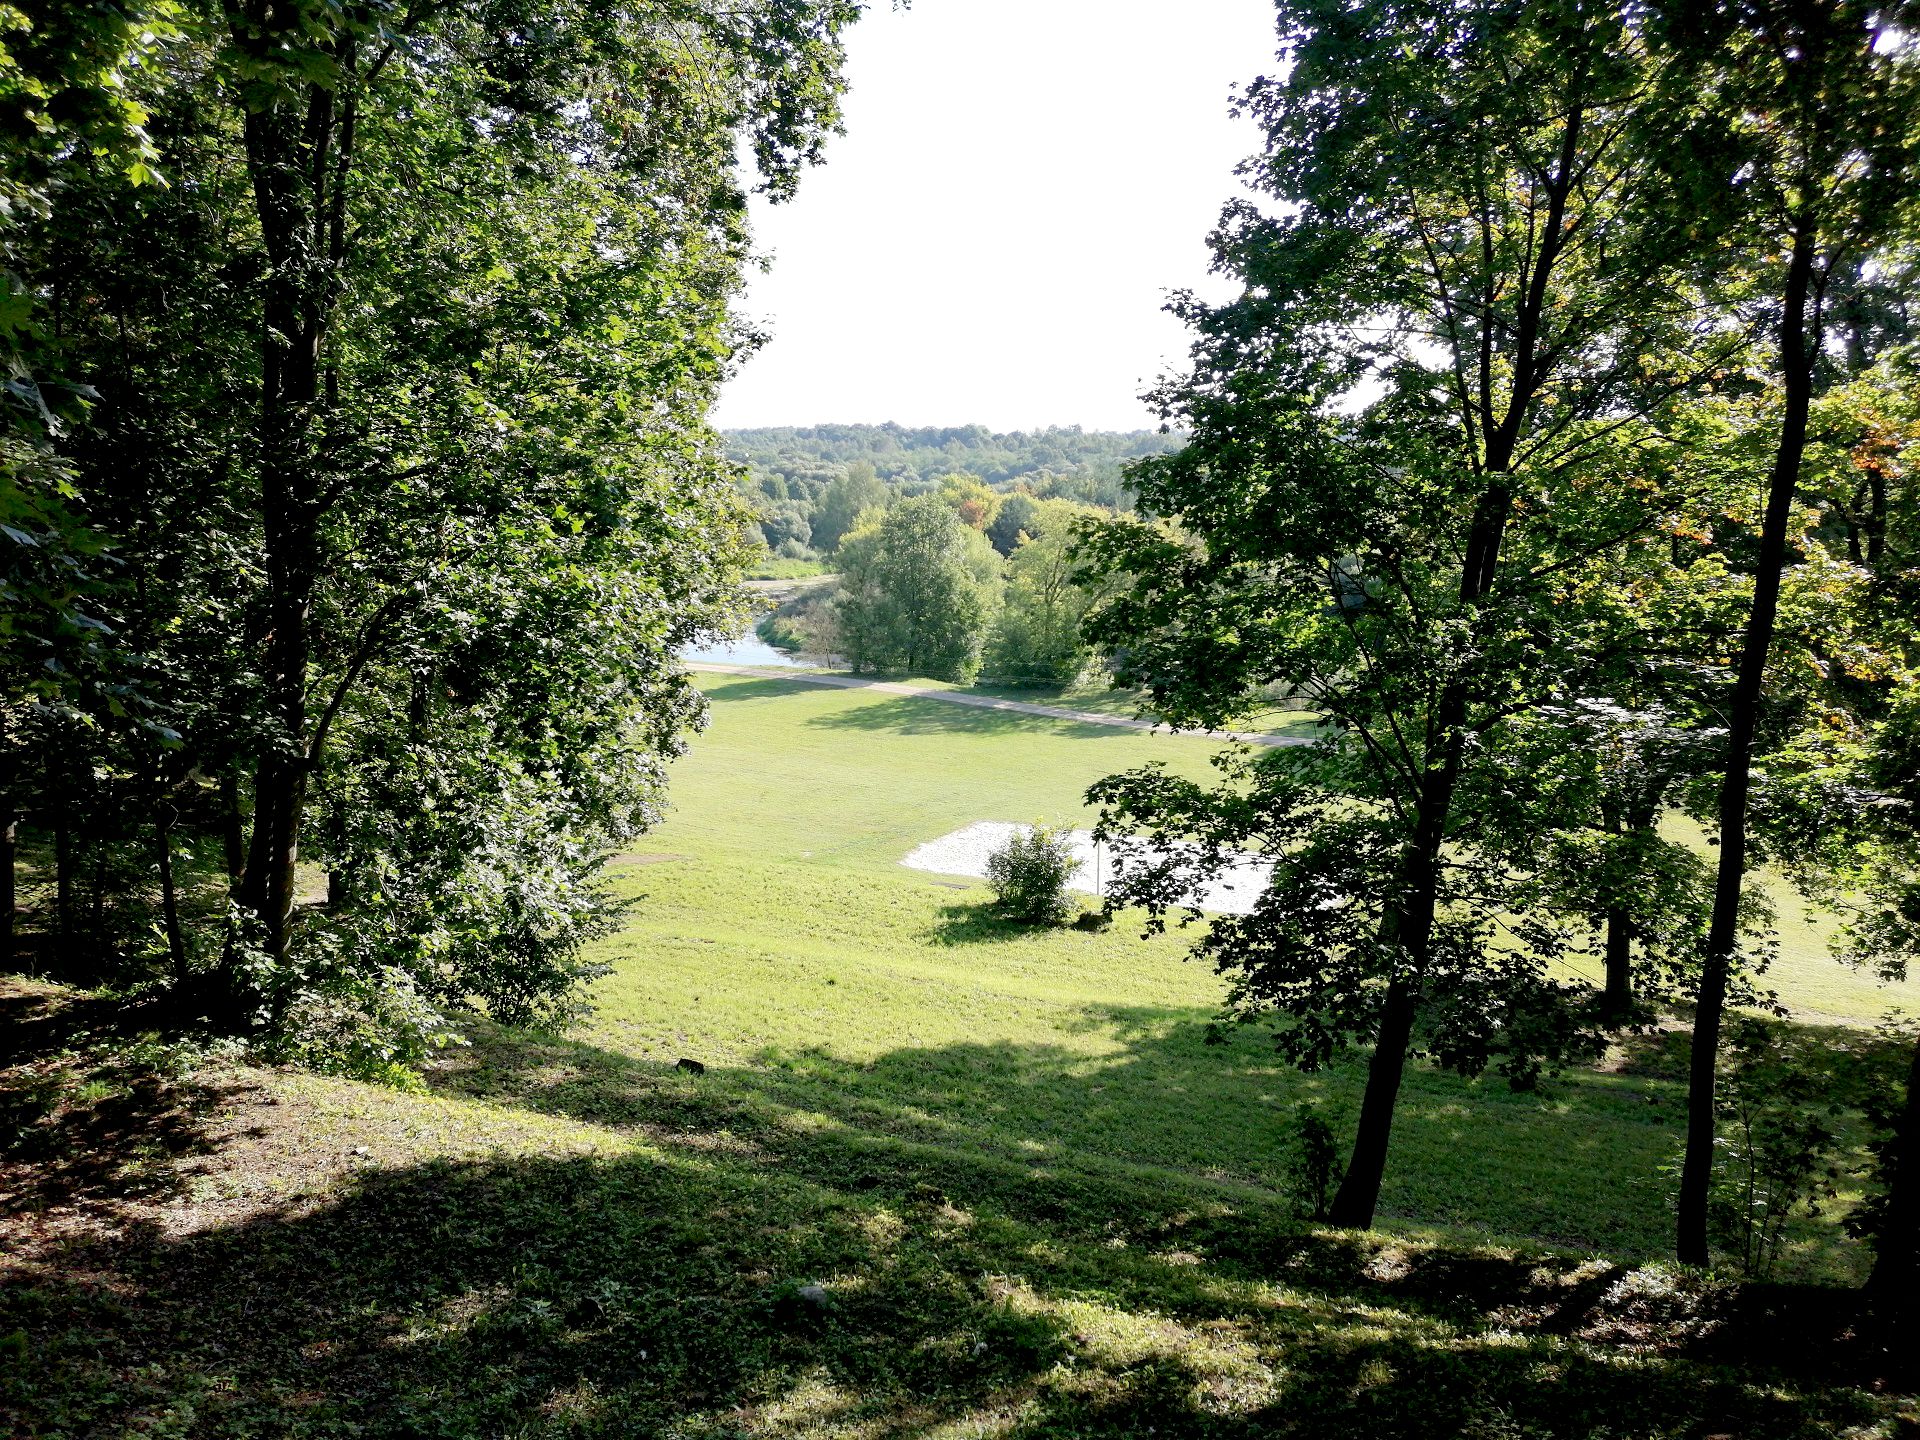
{"x": 1039, "y": 1204}
{"x": 789, "y": 926}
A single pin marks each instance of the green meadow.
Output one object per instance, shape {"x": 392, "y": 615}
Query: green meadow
{"x": 775, "y": 935}
{"x": 938, "y": 1177}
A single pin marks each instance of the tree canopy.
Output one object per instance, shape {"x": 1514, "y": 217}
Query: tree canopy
{"x": 1444, "y": 444}
{"x": 397, "y": 438}
{"x": 919, "y": 588}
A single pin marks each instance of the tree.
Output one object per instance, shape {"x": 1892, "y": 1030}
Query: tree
{"x": 1837, "y": 794}
{"x": 1818, "y": 111}
{"x": 918, "y": 592}
{"x": 1876, "y": 884}
{"x": 972, "y": 500}
{"x": 1618, "y": 771}
{"x": 1476, "y": 221}
{"x": 1038, "y": 634}
{"x": 64, "y": 90}
{"x": 855, "y": 490}
{"x": 785, "y": 524}
{"x": 1019, "y": 514}
{"x": 401, "y": 433}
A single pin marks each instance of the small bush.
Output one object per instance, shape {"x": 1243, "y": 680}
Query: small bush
{"x": 1777, "y": 1140}
{"x": 1313, "y": 1170}
{"x": 1029, "y": 875}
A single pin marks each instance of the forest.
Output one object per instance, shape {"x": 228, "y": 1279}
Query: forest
{"x": 1523, "y": 584}
{"x": 790, "y": 472}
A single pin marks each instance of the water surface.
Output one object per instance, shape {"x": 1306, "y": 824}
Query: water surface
{"x": 748, "y": 649}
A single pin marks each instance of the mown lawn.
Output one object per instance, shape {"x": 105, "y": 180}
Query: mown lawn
{"x": 782, "y": 929}
{"x": 939, "y": 1178}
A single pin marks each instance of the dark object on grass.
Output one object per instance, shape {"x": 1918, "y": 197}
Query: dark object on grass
{"x": 1093, "y": 920}
{"x": 801, "y": 1307}
{"x": 692, "y": 1067}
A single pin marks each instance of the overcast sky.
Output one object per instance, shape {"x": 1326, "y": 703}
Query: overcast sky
{"x": 1020, "y": 184}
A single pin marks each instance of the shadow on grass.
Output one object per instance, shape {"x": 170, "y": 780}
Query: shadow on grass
{"x": 906, "y": 714}
{"x": 1066, "y": 1136}
{"x": 734, "y": 691}
{"x": 971, "y": 923}
{"x": 909, "y": 715}
{"x": 656, "y": 1295}
{"x": 86, "y": 1118}
{"x": 1654, "y": 1054}
{"x": 994, "y": 1256}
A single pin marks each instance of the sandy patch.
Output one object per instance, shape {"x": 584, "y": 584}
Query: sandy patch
{"x": 965, "y": 852}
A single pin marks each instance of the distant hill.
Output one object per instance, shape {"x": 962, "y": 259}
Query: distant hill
{"x": 1063, "y": 460}
{"x": 790, "y": 467}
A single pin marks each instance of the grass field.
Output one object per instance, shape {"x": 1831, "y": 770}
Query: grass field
{"x": 786, "y": 883}
{"x": 774, "y": 567}
{"x": 1033, "y": 1200}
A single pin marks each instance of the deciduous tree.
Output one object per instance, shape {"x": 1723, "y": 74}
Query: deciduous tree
{"x": 402, "y": 441}
{"x": 1415, "y": 435}
{"x": 1817, "y": 103}
{"x": 918, "y": 592}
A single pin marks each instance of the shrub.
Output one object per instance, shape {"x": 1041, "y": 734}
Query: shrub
{"x": 1029, "y": 875}
{"x": 1777, "y": 1141}
{"x": 803, "y": 622}
{"x": 1313, "y": 1167}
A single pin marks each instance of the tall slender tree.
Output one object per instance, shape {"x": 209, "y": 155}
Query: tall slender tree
{"x": 1414, "y": 433}
{"x": 1818, "y": 104}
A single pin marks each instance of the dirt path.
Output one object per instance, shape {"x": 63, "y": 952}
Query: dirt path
{"x": 989, "y": 702}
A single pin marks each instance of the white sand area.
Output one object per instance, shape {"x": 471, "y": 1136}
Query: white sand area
{"x": 965, "y": 852}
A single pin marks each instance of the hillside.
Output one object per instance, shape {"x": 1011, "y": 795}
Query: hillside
{"x": 936, "y": 1177}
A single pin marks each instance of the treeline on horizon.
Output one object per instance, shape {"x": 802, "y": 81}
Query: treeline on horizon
{"x": 789, "y": 469}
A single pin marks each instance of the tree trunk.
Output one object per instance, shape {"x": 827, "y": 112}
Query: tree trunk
{"x": 233, "y": 826}
{"x": 1409, "y": 926}
{"x": 97, "y": 902}
{"x": 9, "y": 854}
{"x": 288, "y": 167}
{"x": 169, "y": 901}
{"x": 1894, "y": 1287}
{"x": 1410, "y": 923}
{"x": 1797, "y": 346}
{"x": 63, "y": 884}
{"x": 1616, "y": 1003}
{"x": 1359, "y": 1193}
{"x": 1876, "y": 523}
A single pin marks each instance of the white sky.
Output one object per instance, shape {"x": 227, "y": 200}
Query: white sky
{"x": 991, "y": 242}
